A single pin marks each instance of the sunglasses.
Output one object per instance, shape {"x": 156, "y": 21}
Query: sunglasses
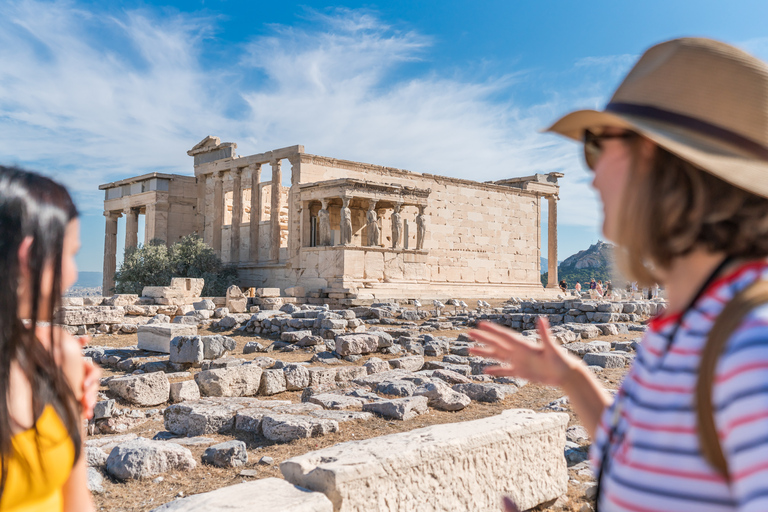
{"x": 593, "y": 147}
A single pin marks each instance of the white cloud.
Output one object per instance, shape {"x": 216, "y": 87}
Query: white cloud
{"x": 92, "y": 96}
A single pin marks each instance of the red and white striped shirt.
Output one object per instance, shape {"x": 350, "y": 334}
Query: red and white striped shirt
{"x": 655, "y": 462}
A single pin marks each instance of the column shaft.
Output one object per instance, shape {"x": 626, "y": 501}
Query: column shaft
{"x": 131, "y": 227}
{"x": 552, "y": 243}
{"x": 218, "y": 211}
{"x": 237, "y": 215}
{"x": 110, "y": 254}
{"x": 255, "y": 212}
{"x": 277, "y": 178}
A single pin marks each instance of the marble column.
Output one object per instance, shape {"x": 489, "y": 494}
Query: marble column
{"x": 201, "y": 202}
{"x": 131, "y": 227}
{"x": 274, "y": 219}
{"x": 397, "y": 226}
{"x": 421, "y": 228}
{"x": 552, "y": 243}
{"x": 218, "y": 211}
{"x": 237, "y": 215}
{"x": 373, "y": 224}
{"x": 253, "y": 249}
{"x": 110, "y": 254}
{"x": 156, "y": 222}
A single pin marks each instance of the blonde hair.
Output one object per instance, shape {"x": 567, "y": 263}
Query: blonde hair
{"x": 675, "y": 207}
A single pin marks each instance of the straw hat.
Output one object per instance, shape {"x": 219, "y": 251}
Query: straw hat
{"x": 703, "y": 100}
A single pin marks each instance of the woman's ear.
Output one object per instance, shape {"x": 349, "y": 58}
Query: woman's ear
{"x": 647, "y": 152}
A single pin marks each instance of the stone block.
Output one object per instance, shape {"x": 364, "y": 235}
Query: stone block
{"x": 186, "y": 350}
{"x": 442, "y": 397}
{"x": 210, "y": 416}
{"x": 142, "y": 458}
{"x": 337, "y": 402}
{"x": 296, "y": 377}
{"x": 455, "y": 466}
{"x": 205, "y": 304}
{"x": 296, "y": 291}
{"x": 184, "y": 390}
{"x": 485, "y": 392}
{"x": 271, "y": 495}
{"x": 349, "y": 344}
{"x": 145, "y": 390}
{"x": 295, "y": 336}
{"x": 288, "y": 427}
{"x": 217, "y": 346}
{"x": 229, "y": 454}
{"x": 398, "y": 408}
{"x": 268, "y": 292}
{"x": 272, "y": 382}
{"x": 604, "y": 360}
{"x": 157, "y": 337}
{"x": 243, "y": 380}
{"x": 408, "y": 363}
{"x": 90, "y": 315}
{"x": 319, "y": 376}
{"x": 347, "y": 373}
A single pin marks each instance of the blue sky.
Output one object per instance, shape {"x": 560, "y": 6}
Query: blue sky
{"x": 92, "y": 92}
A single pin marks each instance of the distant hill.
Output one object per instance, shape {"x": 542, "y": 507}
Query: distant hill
{"x": 88, "y": 279}
{"x": 593, "y": 263}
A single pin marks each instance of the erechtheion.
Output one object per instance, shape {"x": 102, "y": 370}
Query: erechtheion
{"x": 345, "y": 230}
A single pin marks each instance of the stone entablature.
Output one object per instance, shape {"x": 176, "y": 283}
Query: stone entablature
{"x": 167, "y": 202}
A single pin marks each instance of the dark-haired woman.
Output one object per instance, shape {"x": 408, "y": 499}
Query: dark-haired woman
{"x": 680, "y": 160}
{"x": 46, "y": 388}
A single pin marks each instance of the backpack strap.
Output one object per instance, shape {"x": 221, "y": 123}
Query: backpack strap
{"x": 725, "y": 325}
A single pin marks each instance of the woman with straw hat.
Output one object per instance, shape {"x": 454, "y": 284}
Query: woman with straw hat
{"x": 680, "y": 160}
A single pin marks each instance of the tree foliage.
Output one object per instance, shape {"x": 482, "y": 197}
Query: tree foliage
{"x": 154, "y": 264}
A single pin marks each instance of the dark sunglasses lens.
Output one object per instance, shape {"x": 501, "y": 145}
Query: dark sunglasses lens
{"x": 592, "y": 149}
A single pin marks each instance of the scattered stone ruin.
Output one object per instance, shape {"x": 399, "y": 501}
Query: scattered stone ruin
{"x": 343, "y": 230}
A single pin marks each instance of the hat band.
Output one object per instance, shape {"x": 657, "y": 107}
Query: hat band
{"x": 691, "y": 123}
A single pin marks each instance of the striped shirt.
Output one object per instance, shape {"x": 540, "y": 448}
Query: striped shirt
{"x": 655, "y": 463}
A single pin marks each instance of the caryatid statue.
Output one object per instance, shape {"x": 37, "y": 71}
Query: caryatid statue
{"x": 324, "y": 225}
{"x": 346, "y": 222}
{"x": 373, "y": 225}
{"x": 421, "y": 228}
{"x": 397, "y": 226}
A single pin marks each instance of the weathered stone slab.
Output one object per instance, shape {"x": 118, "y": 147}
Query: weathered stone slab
{"x": 271, "y": 495}
{"x": 243, "y": 380}
{"x": 186, "y": 350}
{"x": 146, "y": 389}
{"x": 398, "y": 408}
{"x": 289, "y": 427}
{"x": 142, "y": 458}
{"x": 89, "y": 315}
{"x": 210, "y": 416}
{"x": 229, "y": 454}
{"x": 605, "y": 359}
{"x": 157, "y": 337}
{"x": 486, "y": 392}
{"x": 337, "y": 402}
{"x": 455, "y": 466}
{"x": 408, "y": 363}
{"x": 349, "y": 344}
{"x": 184, "y": 390}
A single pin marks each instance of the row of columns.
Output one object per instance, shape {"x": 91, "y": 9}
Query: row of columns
{"x": 373, "y": 231}
{"x": 256, "y": 207}
{"x": 154, "y": 228}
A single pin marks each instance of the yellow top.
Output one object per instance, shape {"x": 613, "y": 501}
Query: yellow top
{"x": 39, "y": 466}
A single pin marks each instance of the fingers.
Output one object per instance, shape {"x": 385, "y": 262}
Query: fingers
{"x": 84, "y": 340}
{"x": 542, "y": 327}
{"x": 501, "y": 371}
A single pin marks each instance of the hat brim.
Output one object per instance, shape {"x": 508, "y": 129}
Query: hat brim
{"x": 729, "y": 163}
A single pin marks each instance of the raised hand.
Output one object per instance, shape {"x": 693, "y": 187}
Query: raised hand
{"x": 544, "y": 363}
{"x": 91, "y": 382}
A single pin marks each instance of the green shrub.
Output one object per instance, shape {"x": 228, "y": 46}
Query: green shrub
{"x": 154, "y": 265}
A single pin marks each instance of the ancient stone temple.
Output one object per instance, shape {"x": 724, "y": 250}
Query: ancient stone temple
{"x": 353, "y": 231}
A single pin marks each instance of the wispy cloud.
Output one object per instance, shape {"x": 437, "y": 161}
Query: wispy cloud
{"x": 92, "y": 96}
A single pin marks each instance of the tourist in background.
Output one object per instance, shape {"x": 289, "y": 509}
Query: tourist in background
{"x": 599, "y": 289}
{"x": 680, "y": 161}
{"x": 578, "y": 288}
{"x": 46, "y": 388}
{"x": 592, "y": 288}
{"x": 563, "y": 285}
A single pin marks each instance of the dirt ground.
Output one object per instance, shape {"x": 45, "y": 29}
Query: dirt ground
{"x": 135, "y": 496}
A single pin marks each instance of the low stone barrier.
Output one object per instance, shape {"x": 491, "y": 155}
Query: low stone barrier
{"x": 265, "y": 495}
{"x": 457, "y": 466}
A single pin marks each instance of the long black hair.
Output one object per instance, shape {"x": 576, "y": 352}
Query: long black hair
{"x": 36, "y": 207}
